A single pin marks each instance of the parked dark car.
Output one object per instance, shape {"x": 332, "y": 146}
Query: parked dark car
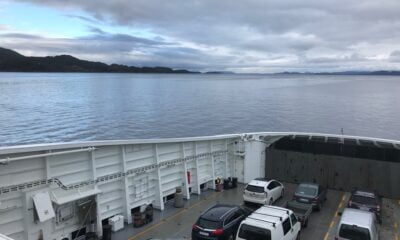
{"x": 367, "y": 201}
{"x": 310, "y": 193}
{"x": 219, "y": 222}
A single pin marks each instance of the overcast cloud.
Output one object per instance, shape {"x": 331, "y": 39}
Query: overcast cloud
{"x": 240, "y": 36}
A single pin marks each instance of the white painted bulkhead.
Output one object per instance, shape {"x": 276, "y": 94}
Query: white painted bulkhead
{"x": 255, "y": 160}
{"x": 119, "y": 176}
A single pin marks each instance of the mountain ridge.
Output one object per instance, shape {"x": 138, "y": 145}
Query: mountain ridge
{"x": 12, "y": 61}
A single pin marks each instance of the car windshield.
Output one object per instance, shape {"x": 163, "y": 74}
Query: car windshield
{"x": 253, "y": 188}
{"x": 254, "y": 233}
{"x": 306, "y": 190}
{"x": 208, "y": 224}
{"x": 354, "y": 232}
{"x": 363, "y": 200}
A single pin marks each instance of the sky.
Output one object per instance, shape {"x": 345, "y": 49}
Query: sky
{"x": 244, "y": 36}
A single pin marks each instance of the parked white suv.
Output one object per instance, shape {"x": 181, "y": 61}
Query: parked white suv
{"x": 270, "y": 223}
{"x": 357, "y": 224}
{"x": 263, "y": 191}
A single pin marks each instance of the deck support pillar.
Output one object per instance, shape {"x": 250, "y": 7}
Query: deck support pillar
{"x": 99, "y": 224}
{"x": 196, "y": 188}
{"x": 186, "y": 193}
{"x": 210, "y": 148}
{"x": 159, "y": 201}
{"x": 226, "y": 159}
{"x": 127, "y": 213}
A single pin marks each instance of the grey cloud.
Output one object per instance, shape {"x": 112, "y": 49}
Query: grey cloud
{"x": 248, "y": 34}
{"x": 20, "y": 35}
{"x": 99, "y": 34}
{"x": 95, "y": 30}
{"x": 124, "y": 38}
{"x": 85, "y": 19}
{"x": 395, "y": 56}
{"x": 3, "y": 27}
{"x": 93, "y": 44}
{"x": 395, "y": 53}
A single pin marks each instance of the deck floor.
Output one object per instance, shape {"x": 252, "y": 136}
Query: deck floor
{"x": 176, "y": 223}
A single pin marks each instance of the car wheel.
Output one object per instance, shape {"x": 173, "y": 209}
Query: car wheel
{"x": 298, "y": 236}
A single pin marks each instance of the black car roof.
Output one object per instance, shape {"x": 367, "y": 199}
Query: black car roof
{"x": 218, "y": 212}
{"x": 309, "y": 184}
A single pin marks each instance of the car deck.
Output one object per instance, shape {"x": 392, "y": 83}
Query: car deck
{"x": 176, "y": 223}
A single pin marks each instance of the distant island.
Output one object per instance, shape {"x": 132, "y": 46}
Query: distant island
{"x": 219, "y": 72}
{"x": 386, "y": 73}
{"x": 12, "y": 61}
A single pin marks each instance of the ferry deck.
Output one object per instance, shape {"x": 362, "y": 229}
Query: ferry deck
{"x": 176, "y": 223}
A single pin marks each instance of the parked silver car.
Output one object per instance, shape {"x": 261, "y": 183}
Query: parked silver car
{"x": 357, "y": 225}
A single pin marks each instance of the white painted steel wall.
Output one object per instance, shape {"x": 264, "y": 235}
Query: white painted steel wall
{"x": 89, "y": 171}
{"x": 255, "y": 160}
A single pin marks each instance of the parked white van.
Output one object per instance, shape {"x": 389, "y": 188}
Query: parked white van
{"x": 263, "y": 191}
{"x": 270, "y": 223}
{"x": 357, "y": 224}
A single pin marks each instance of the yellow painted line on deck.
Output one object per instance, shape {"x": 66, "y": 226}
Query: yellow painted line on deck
{"x": 170, "y": 217}
{"x": 333, "y": 221}
{"x": 327, "y": 235}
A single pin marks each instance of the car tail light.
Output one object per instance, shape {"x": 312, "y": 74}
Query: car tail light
{"x": 194, "y": 226}
{"x": 217, "y": 232}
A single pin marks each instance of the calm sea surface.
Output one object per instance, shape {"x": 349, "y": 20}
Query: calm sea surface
{"x": 42, "y": 107}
